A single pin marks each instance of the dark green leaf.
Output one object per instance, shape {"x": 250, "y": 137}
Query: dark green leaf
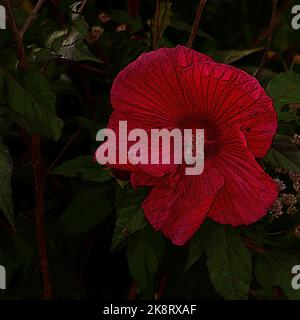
{"x": 284, "y": 154}
{"x": 144, "y": 252}
{"x": 198, "y": 242}
{"x": 130, "y": 215}
{"x": 81, "y": 26}
{"x": 80, "y": 52}
{"x": 56, "y": 39}
{"x": 30, "y": 98}
{"x": 84, "y": 167}
{"x": 230, "y": 56}
{"x": 42, "y": 55}
{"x": 87, "y": 210}
{"x": 229, "y": 263}
{"x": 285, "y": 89}
{"x": 6, "y": 166}
{"x": 274, "y": 268}
{"x": 92, "y": 126}
{"x": 70, "y": 44}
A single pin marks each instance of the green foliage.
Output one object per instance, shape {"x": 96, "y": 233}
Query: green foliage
{"x": 32, "y": 103}
{"x": 229, "y": 263}
{"x": 144, "y": 251}
{"x": 6, "y": 204}
{"x": 284, "y": 154}
{"x": 70, "y": 43}
{"x": 274, "y": 269}
{"x": 230, "y": 56}
{"x": 198, "y": 243}
{"x": 88, "y": 209}
{"x": 130, "y": 216}
{"x": 285, "y": 89}
{"x": 84, "y": 167}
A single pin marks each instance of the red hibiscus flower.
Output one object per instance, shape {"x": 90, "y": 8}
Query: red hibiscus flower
{"x": 181, "y": 88}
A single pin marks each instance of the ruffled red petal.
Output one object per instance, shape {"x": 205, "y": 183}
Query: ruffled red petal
{"x": 177, "y": 205}
{"x": 149, "y": 90}
{"x": 248, "y": 192}
{"x": 223, "y": 95}
{"x": 156, "y": 170}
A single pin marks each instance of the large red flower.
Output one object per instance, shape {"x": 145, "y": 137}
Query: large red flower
{"x": 181, "y": 88}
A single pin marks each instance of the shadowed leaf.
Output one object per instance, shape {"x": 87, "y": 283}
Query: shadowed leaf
{"x": 274, "y": 269}
{"x": 84, "y": 167}
{"x": 198, "y": 242}
{"x": 130, "y": 215}
{"x": 230, "y": 56}
{"x": 229, "y": 263}
{"x": 284, "y": 154}
{"x": 144, "y": 251}
{"x": 87, "y": 210}
{"x": 33, "y": 103}
{"x": 6, "y": 167}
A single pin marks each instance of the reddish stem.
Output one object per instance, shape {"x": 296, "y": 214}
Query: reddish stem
{"x": 39, "y": 179}
{"x": 156, "y": 26}
{"x": 37, "y": 164}
{"x": 17, "y": 35}
{"x": 196, "y": 23}
{"x": 268, "y": 45}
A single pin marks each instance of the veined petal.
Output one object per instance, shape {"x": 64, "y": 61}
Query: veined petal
{"x": 149, "y": 90}
{"x": 248, "y": 192}
{"x": 156, "y": 170}
{"x": 177, "y": 205}
{"x": 223, "y": 95}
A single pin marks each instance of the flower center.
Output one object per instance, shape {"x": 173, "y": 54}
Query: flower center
{"x": 211, "y": 134}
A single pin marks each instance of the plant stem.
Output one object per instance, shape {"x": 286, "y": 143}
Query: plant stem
{"x": 17, "y": 35}
{"x": 37, "y": 164}
{"x": 32, "y": 17}
{"x": 195, "y": 27}
{"x": 269, "y": 40}
{"x": 156, "y": 26}
{"x": 39, "y": 180}
{"x": 69, "y": 143}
